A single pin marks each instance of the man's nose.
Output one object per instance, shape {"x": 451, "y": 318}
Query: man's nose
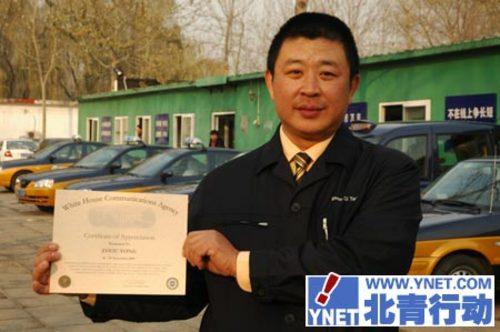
{"x": 310, "y": 85}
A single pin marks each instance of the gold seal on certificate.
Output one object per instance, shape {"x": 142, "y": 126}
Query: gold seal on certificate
{"x": 119, "y": 243}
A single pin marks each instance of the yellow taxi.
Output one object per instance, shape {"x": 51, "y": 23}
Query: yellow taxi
{"x": 460, "y": 232}
{"x": 56, "y": 156}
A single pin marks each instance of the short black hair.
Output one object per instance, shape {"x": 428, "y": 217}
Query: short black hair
{"x": 212, "y": 132}
{"x": 312, "y": 26}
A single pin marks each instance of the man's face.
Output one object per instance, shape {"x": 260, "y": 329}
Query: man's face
{"x": 311, "y": 88}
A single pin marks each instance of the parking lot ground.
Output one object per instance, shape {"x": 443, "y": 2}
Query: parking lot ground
{"x": 22, "y": 230}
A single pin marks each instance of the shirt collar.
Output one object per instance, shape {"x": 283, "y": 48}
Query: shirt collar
{"x": 290, "y": 149}
{"x": 343, "y": 149}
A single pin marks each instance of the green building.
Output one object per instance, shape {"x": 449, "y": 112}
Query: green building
{"x": 446, "y": 83}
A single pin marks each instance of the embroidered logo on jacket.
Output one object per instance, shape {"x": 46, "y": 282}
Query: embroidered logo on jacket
{"x": 344, "y": 198}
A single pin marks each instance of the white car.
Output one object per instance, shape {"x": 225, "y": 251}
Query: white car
{"x": 19, "y": 148}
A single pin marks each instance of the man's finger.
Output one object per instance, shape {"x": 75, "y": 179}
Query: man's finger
{"x": 49, "y": 246}
{"x": 40, "y": 270}
{"x": 49, "y": 256}
{"x": 40, "y": 288}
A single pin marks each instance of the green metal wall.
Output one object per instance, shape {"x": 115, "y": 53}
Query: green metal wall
{"x": 255, "y": 120}
{"x": 434, "y": 79}
{"x": 431, "y": 77}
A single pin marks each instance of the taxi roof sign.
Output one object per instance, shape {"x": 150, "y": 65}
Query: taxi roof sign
{"x": 134, "y": 140}
{"x": 362, "y": 126}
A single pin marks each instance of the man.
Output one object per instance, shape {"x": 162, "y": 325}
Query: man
{"x": 312, "y": 200}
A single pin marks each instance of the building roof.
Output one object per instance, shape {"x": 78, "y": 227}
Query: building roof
{"x": 367, "y": 61}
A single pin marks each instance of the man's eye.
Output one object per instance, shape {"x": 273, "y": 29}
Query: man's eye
{"x": 327, "y": 75}
{"x": 294, "y": 72}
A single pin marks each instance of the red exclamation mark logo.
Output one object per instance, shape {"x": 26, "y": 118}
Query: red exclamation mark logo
{"x": 328, "y": 287}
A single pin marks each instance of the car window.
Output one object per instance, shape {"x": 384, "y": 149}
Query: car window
{"x": 416, "y": 148}
{"x": 469, "y": 182}
{"x": 497, "y": 139}
{"x": 222, "y": 157}
{"x": 132, "y": 158}
{"x": 152, "y": 152}
{"x": 99, "y": 158}
{"x": 190, "y": 165}
{"x": 92, "y": 147}
{"x": 21, "y": 145}
{"x": 69, "y": 152}
{"x": 453, "y": 148}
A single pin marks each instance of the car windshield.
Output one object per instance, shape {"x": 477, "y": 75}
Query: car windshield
{"x": 154, "y": 165}
{"x": 21, "y": 145}
{"x": 99, "y": 158}
{"x": 45, "y": 152}
{"x": 468, "y": 182}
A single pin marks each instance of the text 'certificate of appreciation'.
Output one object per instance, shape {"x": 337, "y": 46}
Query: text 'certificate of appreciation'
{"x": 119, "y": 243}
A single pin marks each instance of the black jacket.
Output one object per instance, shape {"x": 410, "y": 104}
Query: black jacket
{"x": 255, "y": 203}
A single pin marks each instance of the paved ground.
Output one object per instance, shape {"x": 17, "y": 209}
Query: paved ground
{"x": 22, "y": 230}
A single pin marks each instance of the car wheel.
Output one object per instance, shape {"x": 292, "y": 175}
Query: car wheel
{"x": 14, "y": 178}
{"x": 465, "y": 265}
{"x": 45, "y": 208}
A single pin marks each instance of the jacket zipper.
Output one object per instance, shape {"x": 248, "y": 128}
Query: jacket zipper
{"x": 325, "y": 228}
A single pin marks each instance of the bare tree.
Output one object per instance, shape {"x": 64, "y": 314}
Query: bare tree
{"x": 41, "y": 48}
{"x": 425, "y": 23}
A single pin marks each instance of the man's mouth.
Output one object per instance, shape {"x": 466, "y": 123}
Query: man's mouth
{"x": 308, "y": 111}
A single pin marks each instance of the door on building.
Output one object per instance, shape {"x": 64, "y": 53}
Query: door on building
{"x": 414, "y": 110}
{"x": 144, "y": 123}
{"x": 183, "y": 128}
{"x": 93, "y": 129}
{"x": 121, "y": 129}
{"x": 223, "y": 122}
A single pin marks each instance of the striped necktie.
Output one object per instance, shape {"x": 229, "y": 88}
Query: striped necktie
{"x": 301, "y": 160}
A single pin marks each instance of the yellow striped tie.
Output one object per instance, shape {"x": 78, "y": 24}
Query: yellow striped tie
{"x": 301, "y": 160}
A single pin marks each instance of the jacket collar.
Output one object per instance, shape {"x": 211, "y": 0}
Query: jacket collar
{"x": 342, "y": 150}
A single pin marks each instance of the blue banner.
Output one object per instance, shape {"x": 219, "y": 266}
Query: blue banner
{"x": 335, "y": 300}
{"x": 355, "y": 112}
{"x": 106, "y": 129}
{"x": 161, "y": 129}
{"x": 471, "y": 108}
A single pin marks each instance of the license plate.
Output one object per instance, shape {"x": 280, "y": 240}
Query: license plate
{"x": 20, "y": 193}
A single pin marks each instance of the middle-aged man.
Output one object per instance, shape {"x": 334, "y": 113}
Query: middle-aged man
{"x": 312, "y": 200}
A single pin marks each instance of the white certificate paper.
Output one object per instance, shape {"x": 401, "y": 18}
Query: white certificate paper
{"x": 119, "y": 243}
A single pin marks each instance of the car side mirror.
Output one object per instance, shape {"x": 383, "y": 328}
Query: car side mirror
{"x": 115, "y": 165}
{"x": 165, "y": 174}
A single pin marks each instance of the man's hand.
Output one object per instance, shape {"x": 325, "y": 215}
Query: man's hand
{"x": 212, "y": 251}
{"x": 47, "y": 254}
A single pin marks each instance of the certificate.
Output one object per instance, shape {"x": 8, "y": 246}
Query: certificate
{"x": 119, "y": 243}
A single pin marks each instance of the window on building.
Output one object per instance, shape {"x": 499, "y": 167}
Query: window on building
{"x": 416, "y": 148}
{"x": 121, "y": 129}
{"x": 183, "y": 128}
{"x": 143, "y": 128}
{"x": 457, "y": 147}
{"x": 93, "y": 129}
{"x": 223, "y": 122}
{"x": 415, "y": 110}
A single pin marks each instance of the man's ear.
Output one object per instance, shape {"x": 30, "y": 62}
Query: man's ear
{"x": 354, "y": 84}
{"x": 269, "y": 83}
